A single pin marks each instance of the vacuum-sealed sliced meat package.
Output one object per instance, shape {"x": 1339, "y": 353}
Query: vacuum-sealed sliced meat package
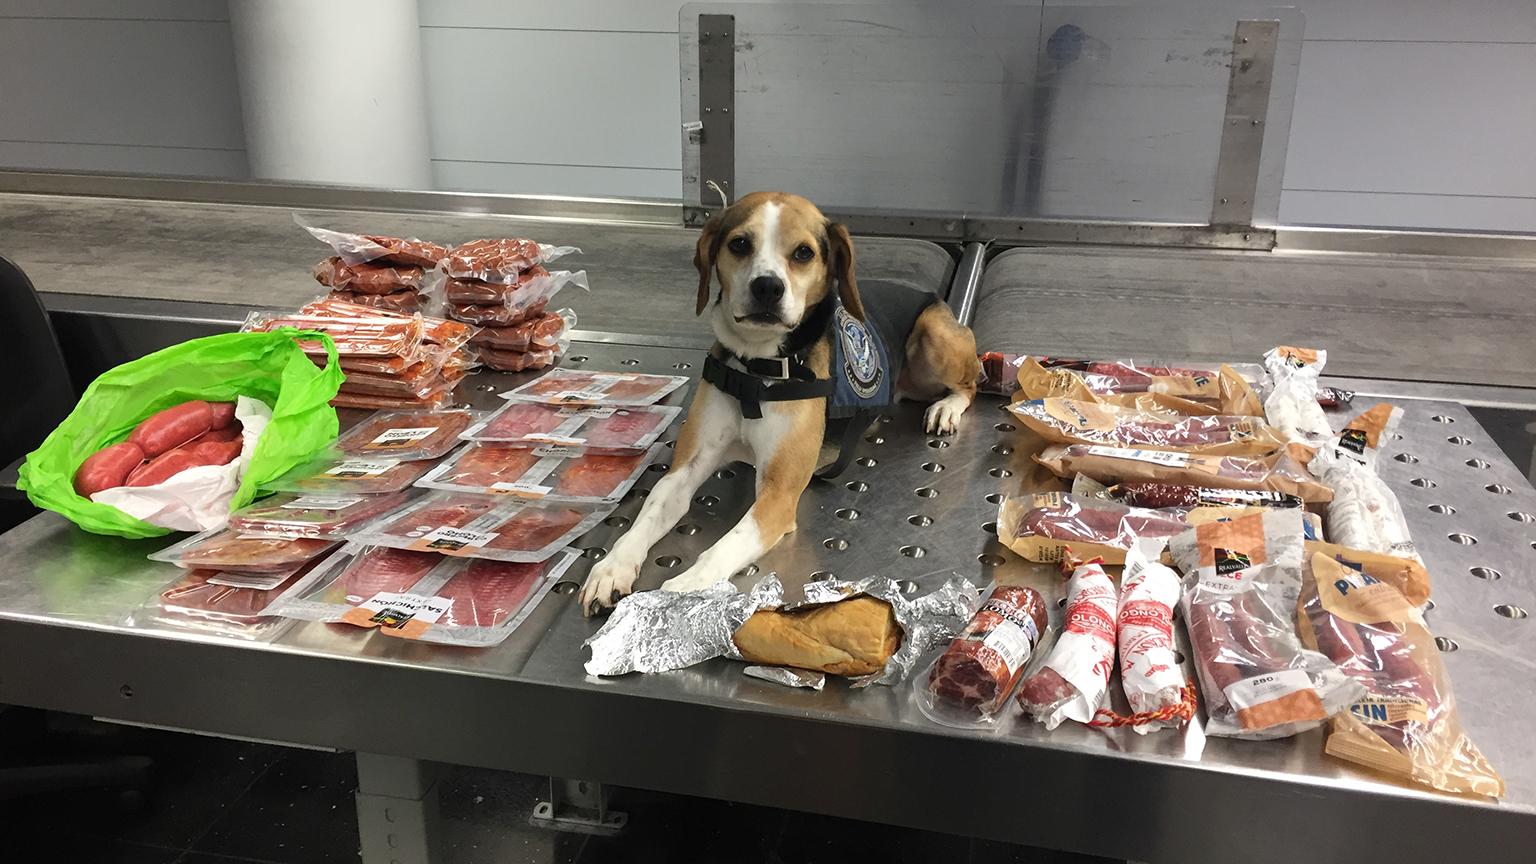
{"x": 228, "y": 549}
{"x": 294, "y": 514}
{"x": 586, "y": 387}
{"x": 970, "y": 682}
{"x": 601, "y": 427}
{"x": 483, "y": 526}
{"x": 563, "y": 474}
{"x": 425, "y": 596}
{"x": 368, "y": 278}
{"x": 345, "y": 474}
{"x": 1075, "y": 421}
{"x": 407, "y": 435}
{"x": 1242, "y": 581}
{"x": 1406, "y": 724}
{"x": 227, "y": 604}
{"x": 1042, "y": 526}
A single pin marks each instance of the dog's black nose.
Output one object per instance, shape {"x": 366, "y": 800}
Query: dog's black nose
{"x": 767, "y": 289}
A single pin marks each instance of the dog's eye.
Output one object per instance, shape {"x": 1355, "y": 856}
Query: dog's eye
{"x": 740, "y": 245}
{"x": 804, "y": 253}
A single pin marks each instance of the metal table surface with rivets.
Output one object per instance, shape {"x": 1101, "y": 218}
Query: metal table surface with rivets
{"x": 913, "y": 508}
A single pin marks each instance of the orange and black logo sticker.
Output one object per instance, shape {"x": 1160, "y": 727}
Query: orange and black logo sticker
{"x": 1231, "y": 561}
{"x": 1354, "y": 440}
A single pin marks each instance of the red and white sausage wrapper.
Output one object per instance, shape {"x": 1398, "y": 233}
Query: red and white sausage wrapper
{"x": 1084, "y": 653}
{"x": 659, "y": 631}
{"x": 196, "y": 499}
{"x": 1149, "y": 669}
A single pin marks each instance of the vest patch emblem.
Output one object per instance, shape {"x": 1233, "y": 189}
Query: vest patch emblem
{"x": 861, "y": 362}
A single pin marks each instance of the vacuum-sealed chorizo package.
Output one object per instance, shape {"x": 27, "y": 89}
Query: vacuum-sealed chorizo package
{"x": 442, "y": 333}
{"x": 1180, "y": 391}
{"x": 1362, "y": 437}
{"x": 1041, "y": 526}
{"x": 587, "y": 387}
{"x": 424, "y": 595}
{"x": 368, "y": 278}
{"x": 345, "y": 474}
{"x": 545, "y": 331}
{"x": 1073, "y": 421}
{"x": 564, "y": 474}
{"x": 596, "y": 428}
{"x": 1291, "y": 406}
{"x": 407, "y": 435}
{"x": 969, "y": 683}
{"x": 1164, "y": 495}
{"x": 1072, "y": 681}
{"x": 521, "y": 361}
{"x": 363, "y": 248}
{"x": 469, "y": 299}
{"x": 482, "y": 526}
{"x": 1278, "y": 470}
{"x": 1405, "y": 724}
{"x": 416, "y": 382}
{"x": 228, "y": 549}
{"x": 363, "y": 337}
{"x": 501, "y": 260}
{"x": 434, "y": 397}
{"x": 494, "y": 316}
{"x": 405, "y": 302}
{"x": 1242, "y": 580}
{"x": 290, "y": 514}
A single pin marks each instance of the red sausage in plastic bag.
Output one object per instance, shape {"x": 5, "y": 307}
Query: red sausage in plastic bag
{"x": 173, "y": 427}
{"x": 107, "y": 468}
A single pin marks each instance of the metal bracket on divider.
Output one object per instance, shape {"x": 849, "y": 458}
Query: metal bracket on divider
{"x": 1243, "y": 126}
{"x": 717, "y": 118}
{"x": 578, "y": 805}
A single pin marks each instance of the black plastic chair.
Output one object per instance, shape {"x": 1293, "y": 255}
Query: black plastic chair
{"x": 44, "y": 394}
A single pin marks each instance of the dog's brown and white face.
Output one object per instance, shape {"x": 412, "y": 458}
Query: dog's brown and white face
{"x": 776, "y": 256}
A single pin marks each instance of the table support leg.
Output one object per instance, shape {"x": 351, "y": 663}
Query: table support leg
{"x": 397, "y": 820}
{"x": 580, "y": 806}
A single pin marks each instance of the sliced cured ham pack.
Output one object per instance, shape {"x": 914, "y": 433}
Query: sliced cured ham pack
{"x": 587, "y": 387}
{"x": 563, "y": 474}
{"x": 424, "y": 595}
{"x": 482, "y": 526}
{"x": 604, "y": 427}
{"x": 293, "y": 514}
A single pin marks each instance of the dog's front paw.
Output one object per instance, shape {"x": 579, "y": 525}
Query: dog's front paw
{"x": 608, "y": 583}
{"x": 691, "y": 579}
{"x": 943, "y": 416}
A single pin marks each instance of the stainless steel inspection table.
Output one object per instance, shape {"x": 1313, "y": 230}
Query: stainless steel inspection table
{"x": 912, "y": 508}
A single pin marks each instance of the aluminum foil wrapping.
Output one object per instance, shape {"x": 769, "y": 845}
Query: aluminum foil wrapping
{"x": 787, "y": 676}
{"x": 926, "y": 622}
{"x": 658, "y": 631}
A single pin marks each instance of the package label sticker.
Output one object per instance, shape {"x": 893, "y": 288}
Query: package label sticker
{"x": 399, "y": 439}
{"x": 254, "y": 581}
{"x": 408, "y": 614}
{"x": 323, "y": 502}
{"x": 449, "y": 540}
{"x": 1156, "y": 457}
{"x": 362, "y": 467}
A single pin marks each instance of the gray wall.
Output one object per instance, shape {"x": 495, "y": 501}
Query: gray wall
{"x": 1409, "y": 113}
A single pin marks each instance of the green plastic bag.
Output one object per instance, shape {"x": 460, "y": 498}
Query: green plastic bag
{"x": 266, "y": 366}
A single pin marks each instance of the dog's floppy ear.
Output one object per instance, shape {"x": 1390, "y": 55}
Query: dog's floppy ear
{"x": 704, "y": 257}
{"x": 841, "y": 268}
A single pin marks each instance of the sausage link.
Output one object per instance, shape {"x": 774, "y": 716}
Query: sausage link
{"x": 107, "y": 468}
{"x": 173, "y": 427}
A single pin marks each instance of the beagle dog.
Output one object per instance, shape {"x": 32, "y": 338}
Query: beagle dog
{"x": 795, "y": 343}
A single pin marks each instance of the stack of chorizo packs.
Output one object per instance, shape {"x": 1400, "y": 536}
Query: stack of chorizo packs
{"x": 502, "y": 287}
{"x": 391, "y": 359}
{"x": 375, "y": 270}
